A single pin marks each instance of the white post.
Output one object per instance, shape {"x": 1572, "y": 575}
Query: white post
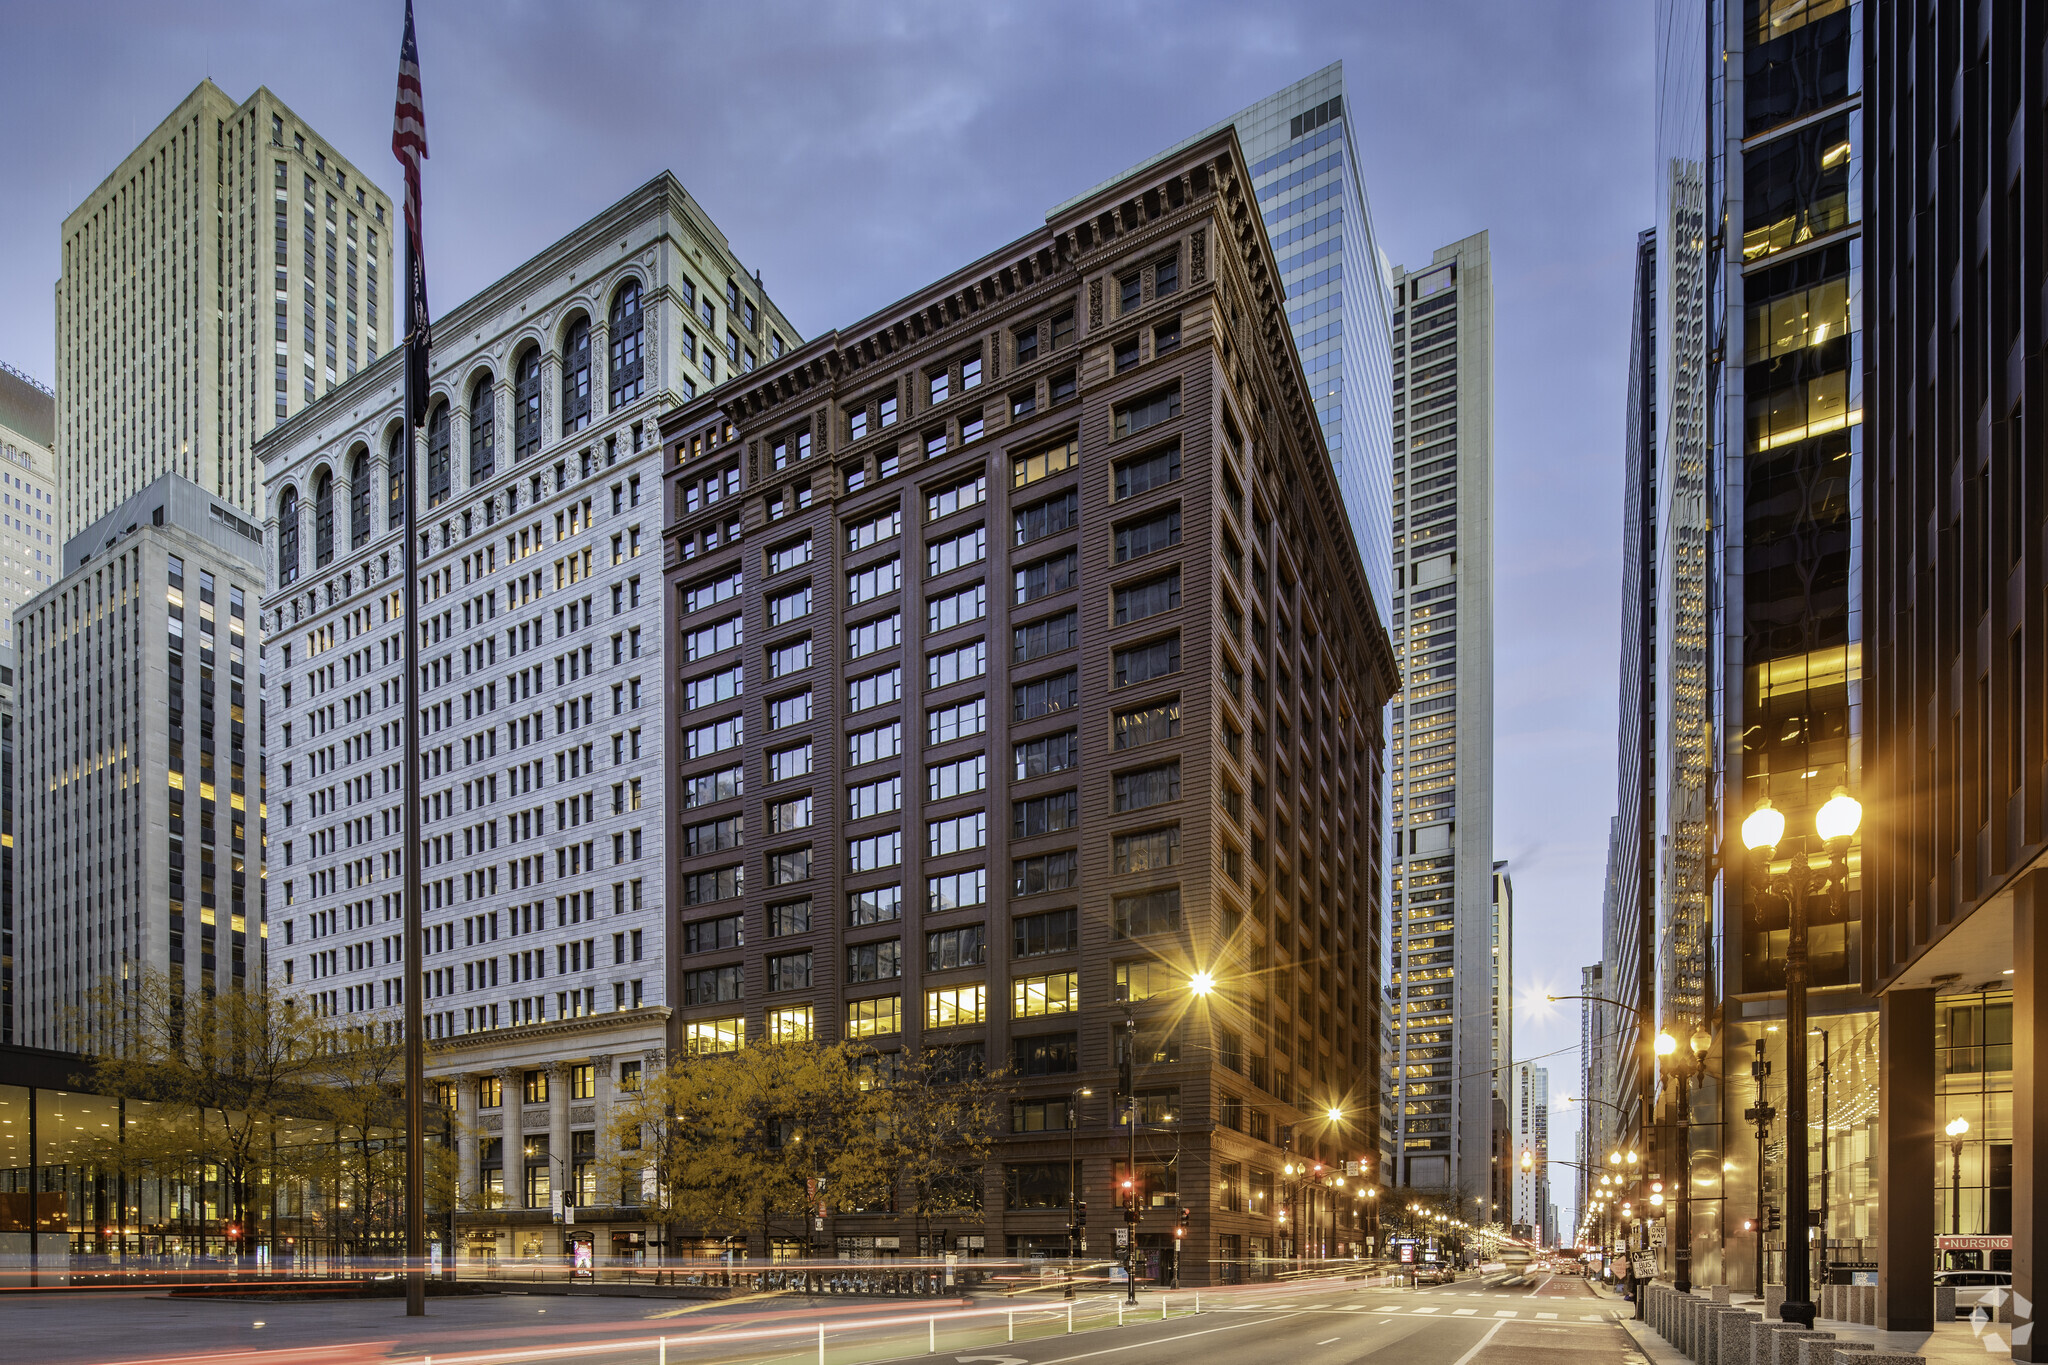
{"x": 1070, "y": 1317}
{"x": 933, "y": 1324}
{"x": 662, "y": 1359}
{"x": 1119, "y": 1312}
{"x": 1162, "y": 1308}
{"x": 1198, "y": 1303}
{"x": 1013, "y": 1325}
{"x": 821, "y": 1345}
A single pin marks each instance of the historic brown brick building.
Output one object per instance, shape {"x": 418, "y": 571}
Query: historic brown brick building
{"x": 1023, "y": 657}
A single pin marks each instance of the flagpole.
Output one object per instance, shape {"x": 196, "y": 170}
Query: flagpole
{"x": 415, "y": 972}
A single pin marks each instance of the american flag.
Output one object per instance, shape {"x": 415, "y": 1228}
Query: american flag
{"x": 409, "y": 145}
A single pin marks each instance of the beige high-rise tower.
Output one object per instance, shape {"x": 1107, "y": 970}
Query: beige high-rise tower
{"x": 231, "y": 270}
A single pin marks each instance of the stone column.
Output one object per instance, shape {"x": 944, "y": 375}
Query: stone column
{"x": 2029, "y": 1109}
{"x": 468, "y": 1180}
{"x": 558, "y": 1127}
{"x": 511, "y": 1087}
{"x": 1907, "y": 1143}
{"x": 601, "y": 1110}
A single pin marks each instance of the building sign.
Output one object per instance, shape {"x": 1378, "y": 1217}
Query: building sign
{"x": 1949, "y": 1243}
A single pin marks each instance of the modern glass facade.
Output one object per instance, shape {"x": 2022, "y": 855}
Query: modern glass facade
{"x": 1304, "y": 168}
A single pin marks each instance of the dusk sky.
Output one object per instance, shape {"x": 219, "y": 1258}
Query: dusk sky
{"x": 854, "y": 152}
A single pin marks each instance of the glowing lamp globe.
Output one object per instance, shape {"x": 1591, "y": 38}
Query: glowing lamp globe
{"x": 1840, "y": 817}
{"x": 1764, "y": 827}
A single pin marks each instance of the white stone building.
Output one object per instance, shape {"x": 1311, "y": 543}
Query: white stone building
{"x": 231, "y": 270}
{"x": 541, "y": 653}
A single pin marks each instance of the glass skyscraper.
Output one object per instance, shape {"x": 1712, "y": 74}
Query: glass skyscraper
{"x": 1304, "y": 166}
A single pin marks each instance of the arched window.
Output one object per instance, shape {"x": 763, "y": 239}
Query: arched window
{"x": 439, "y": 433}
{"x": 395, "y": 476}
{"x": 483, "y": 432}
{"x": 323, "y": 520}
{"x": 629, "y": 370}
{"x": 576, "y": 377}
{"x": 288, "y": 537}
{"x": 526, "y": 405}
{"x": 359, "y": 500}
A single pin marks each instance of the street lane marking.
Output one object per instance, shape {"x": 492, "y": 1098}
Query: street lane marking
{"x": 1589, "y": 1317}
{"x": 1463, "y": 1312}
{"x": 1429, "y": 1310}
{"x": 1480, "y": 1345}
{"x": 1551, "y": 1316}
{"x": 1331, "y": 1341}
{"x": 1161, "y": 1341}
{"x": 1505, "y": 1313}
{"x": 1387, "y": 1308}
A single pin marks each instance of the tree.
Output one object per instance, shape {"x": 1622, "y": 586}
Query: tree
{"x": 727, "y": 1144}
{"x": 941, "y": 1111}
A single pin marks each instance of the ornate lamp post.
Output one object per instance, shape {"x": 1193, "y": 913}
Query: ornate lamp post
{"x": 1835, "y": 823}
{"x": 1701, "y": 1042}
{"x": 1957, "y": 1127}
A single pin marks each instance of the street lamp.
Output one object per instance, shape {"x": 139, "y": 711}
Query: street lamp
{"x": 1836, "y": 823}
{"x": 1700, "y": 1043}
{"x": 1073, "y": 1177}
{"x": 1955, "y": 1130}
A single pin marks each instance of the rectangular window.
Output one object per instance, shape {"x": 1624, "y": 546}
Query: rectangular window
{"x": 1149, "y": 912}
{"x": 875, "y": 689}
{"x": 956, "y": 552}
{"x": 1146, "y": 724}
{"x": 1142, "y": 663}
{"x": 1027, "y": 344}
{"x": 790, "y": 865}
{"x": 957, "y": 665}
{"x": 875, "y": 851}
{"x": 1130, "y": 292}
{"x": 962, "y": 778}
{"x": 1044, "y": 637}
{"x": 862, "y": 534}
{"x": 790, "y": 606}
{"x": 1051, "y": 931}
{"x": 1143, "y": 473}
{"x": 957, "y": 497}
{"x": 715, "y": 638}
{"x": 1047, "y": 576}
{"x": 869, "y": 799}
{"x": 1034, "y": 997}
{"x": 1045, "y": 696}
{"x": 1166, "y": 336}
{"x": 1045, "y": 814}
{"x": 703, "y": 1037}
{"x": 1147, "y": 850}
{"x": 714, "y": 688}
{"x": 714, "y": 738}
{"x": 719, "y": 884}
{"x": 712, "y": 935}
{"x": 1045, "y": 462}
{"x": 714, "y": 985}
{"x": 956, "y": 608}
{"x": 787, "y": 711}
{"x": 790, "y": 1024}
{"x": 948, "y": 723}
{"x": 711, "y": 836}
{"x": 793, "y": 657}
{"x": 790, "y": 917}
{"x": 957, "y": 890}
{"x": 1149, "y": 411}
{"x": 946, "y": 949}
{"x": 876, "y": 905}
{"x": 1051, "y": 1054}
{"x": 1157, "y": 532}
{"x": 877, "y": 1018}
{"x": 870, "y": 637}
{"x": 1166, "y": 277}
{"x": 956, "y": 834}
{"x": 1047, "y": 754}
{"x": 784, "y": 557}
{"x": 1046, "y": 872}
{"x": 1049, "y": 517}
{"x": 1041, "y": 1116}
{"x": 865, "y": 585}
{"x": 874, "y": 745}
{"x": 790, "y": 972}
{"x": 784, "y": 764}
{"x": 950, "y": 1006}
{"x": 1137, "y": 601}
{"x": 1147, "y": 787}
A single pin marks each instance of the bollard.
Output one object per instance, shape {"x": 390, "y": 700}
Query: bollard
{"x": 1013, "y": 1325}
{"x": 1198, "y": 1303}
{"x": 1162, "y": 1308}
{"x": 1842, "y": 1352}
{"x": 821, "y": 1346}
{"x": 933, "y": 1323}
{"x": 661, "y": 1356}
{"x": 1119, "y": 1312}
{"x": 1070, "y": 1317}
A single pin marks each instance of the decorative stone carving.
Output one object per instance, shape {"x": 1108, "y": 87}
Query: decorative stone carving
{"x": 533, "y": 1118}
{"x": 583, "y": 1113}
{"x": 1198, "y": 256}
{"x": 491, "y": 1123}
{"x": 1094, "y": 304}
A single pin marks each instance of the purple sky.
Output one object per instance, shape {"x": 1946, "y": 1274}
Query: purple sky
{"x": 854, "y": 152}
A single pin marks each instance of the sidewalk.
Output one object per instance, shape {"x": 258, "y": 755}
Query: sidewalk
{"x": 1950, "y": 1343}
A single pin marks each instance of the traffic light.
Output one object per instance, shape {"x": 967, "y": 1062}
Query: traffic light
{"x": 1286, "y": 1137}
{"x": 1773, "y": 1220}
{"x": 1081, "y": 1214}
{"x": 1180, "y": 1226}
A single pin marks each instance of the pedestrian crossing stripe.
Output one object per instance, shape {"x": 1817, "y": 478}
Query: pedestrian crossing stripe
{"x": 1463, "y": 1312}
{"x": 1551, "y": 1316}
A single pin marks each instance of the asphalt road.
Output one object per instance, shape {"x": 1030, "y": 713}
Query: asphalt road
{"x": 1557, "y": 1322}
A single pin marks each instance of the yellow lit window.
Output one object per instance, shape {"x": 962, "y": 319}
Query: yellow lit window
{"x": 874, "y": 1018}
{"x": 1143, "y": 980}
{"x": 952, "y": 1005}
{"x": 1053, "y": 459}
{"x": 1053, "y": 993}
{"x": 714, "y": 1035}
{"x": 791, "y": 1024}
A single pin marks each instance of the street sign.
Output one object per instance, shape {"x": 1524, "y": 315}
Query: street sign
{"x": 1657, "y": 1233}
{"x": 1123, "y": 1237}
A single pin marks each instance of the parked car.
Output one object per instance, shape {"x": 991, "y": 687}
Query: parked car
{"x": 1975, "y": 1288}
{"x": 1434, "y": 1272}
